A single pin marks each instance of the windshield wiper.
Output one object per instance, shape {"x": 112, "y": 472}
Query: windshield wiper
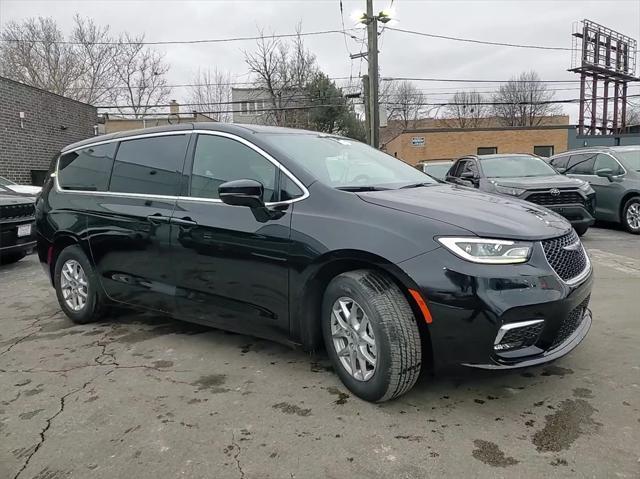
{"x": 417, "y": 185}
{"x": 361, "y": 188}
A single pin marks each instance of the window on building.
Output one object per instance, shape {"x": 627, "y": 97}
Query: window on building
{"x": 149, "y": 166}
{"x": 487, "y": 150}
{"x": 544, "y": 151}
{"x": 244, "y": 107}
{"x": 87, "y": 169}
{"x": 581, "y": 164}
{"x": 218, "y": 159}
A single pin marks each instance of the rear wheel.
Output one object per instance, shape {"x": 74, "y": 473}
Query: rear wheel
{"x": 371, "y": 335}
{"x": 77, "y": 286}
{"x": 631, "y": 215}
{"x": 12, "y": 258}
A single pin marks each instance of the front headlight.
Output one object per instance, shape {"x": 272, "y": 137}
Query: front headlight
{"x": 509, "y": 190}
{"x": 488, "y": 251}
{"x": 585, "y": 186}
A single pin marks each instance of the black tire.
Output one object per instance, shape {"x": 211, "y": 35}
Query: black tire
{"x": 12, "y": 258}
{"x": 95, "y": 306}
{"x": 581, "y": 230}
{"x": 398, "y": 345}
{"x": 635, "y": 201}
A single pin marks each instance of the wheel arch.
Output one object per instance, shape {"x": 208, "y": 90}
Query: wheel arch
{"x": 307, "y": 301}
{"x": 627, "y": 196}
{"x": 60, "y": 241}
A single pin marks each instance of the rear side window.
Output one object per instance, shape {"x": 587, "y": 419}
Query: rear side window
{"x": 581, "y": 164}
{"x": 560, "y": 162}
{"x": 87, "y": 169}
{"x": 218, "y": 159}
{"x": 149, "y": 166}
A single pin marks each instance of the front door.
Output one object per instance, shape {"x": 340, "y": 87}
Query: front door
{"x": 609, "y": 192}
{"x": 231, "y": 262}
{"x": 129, "y": 226}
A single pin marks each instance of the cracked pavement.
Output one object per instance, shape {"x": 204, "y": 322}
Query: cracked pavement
{"x": 144, "y": 396}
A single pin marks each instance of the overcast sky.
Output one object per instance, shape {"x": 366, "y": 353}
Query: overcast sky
{"x": 536, "y": 22}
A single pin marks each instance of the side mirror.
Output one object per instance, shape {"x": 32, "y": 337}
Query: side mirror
{"x": 243, "y": 192}
{"x": 605, "y": 173}
{"x": 468, "y": 175}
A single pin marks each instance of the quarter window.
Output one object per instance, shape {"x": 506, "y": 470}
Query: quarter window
{"x": 149, "y": 165}
{"x": 87, "y": 169}
{"x": 219, "y": 159}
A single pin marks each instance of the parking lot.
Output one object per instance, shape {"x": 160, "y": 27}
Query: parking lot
{"x": 146, "y": 397}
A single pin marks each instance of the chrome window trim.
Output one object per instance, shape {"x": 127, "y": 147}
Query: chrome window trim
{"x": 260, "y": 151}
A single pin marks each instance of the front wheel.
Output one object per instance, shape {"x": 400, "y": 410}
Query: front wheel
{"x": 371, "y": 335}
{"x": 77, "y": 286}
{"x": 631, "y": 215}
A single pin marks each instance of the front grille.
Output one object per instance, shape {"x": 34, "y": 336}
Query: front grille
{"x": 520, "y": 337}
{"x": 11, "y": 212}
{"x": 566, "y": 255}
{"x": 564, "y": 198}
{"x": 570, "y": 323}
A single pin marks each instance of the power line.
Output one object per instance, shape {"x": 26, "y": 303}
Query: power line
{"x": 460, "y": 80}
{"x": 493, "y": 103}
{"x": 482, "y": 42}
{"x": 179, "y": 42}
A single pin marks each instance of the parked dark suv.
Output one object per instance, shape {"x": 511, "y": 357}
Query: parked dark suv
{"x": 529, "y": 178}
{"x": 17, "y": 232}
{"x": 614, "y": 174}
{"x": 309, "y": 238}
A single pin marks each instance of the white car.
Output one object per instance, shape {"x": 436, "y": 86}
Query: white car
{"x": 10, "y": 186}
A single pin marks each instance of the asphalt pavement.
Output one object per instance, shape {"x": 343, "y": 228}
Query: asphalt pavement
{"x": 141, "y": 396}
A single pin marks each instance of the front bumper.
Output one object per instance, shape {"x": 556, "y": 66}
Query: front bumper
{"x": 470, "y": 303}
{"x": 577, "y": 215}
{"x": 11, "y": 243}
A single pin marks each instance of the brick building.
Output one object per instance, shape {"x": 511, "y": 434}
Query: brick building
{"x": 34, "y": 125}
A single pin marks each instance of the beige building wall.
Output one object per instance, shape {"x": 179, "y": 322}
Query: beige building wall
{"x": 423, "y": 145}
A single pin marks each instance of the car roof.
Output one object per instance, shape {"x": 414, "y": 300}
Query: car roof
{"x": 437, "y": 162}
{"x": 497, "y": 155}
{"x": 613, "y": 149}
{"x": 212, "y": 126}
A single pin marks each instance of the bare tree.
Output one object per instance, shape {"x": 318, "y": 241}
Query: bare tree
{"x": 95, "y": 54}
{"x": 141, "y": 75}
{"x": 31, "y": 52}
{"x": 211, "y": 93}
{"x": 466, "y": 110}
{"x": 281, "y": 72}
{"x": 524, "y": 101}
{"x": 404, "y": 102}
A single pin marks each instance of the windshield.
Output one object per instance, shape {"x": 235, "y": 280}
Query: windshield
{"x": 5, "y": 182}
{"x": 631, "y": 159}
{"x": 342, "y": 163}
{"x": 515, "y": 166}
{"x": 437, "y": 171}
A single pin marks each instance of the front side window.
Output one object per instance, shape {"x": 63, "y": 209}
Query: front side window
{"x": 630, "y": 158}
{"x": 149, "y": 166}
{"x": 218, "y": 159}
{"x": 606, "y": 162}
{"x": 581, "y": 164}
{"x": 87, "y": 169}
{"x": 560, "y": 162}
{"x": 516, "y": 166}
{"x": 344, "y": 163}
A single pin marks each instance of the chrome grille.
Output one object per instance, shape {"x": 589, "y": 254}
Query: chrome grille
{"x": 570, "y": 323}
{"x": 566, "y": 255}
{"x": 10, "y": 212}
{"x": 564, "y": 198}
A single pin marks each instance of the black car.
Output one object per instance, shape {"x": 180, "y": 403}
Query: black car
{"x": 312, "y": 239}
{"x": 529, "y": 178}
{"x": 17, "y": 232}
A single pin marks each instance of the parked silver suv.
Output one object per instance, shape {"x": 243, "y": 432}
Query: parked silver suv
{"x": 614, "y": 174}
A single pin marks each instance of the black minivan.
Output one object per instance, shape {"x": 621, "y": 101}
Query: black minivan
{"x": 315, "y": 240}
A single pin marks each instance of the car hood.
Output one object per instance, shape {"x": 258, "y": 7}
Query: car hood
{"x": 480, "y": 213}
{"x": 536, "y": 182}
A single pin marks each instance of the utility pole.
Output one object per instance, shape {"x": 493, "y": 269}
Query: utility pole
{"x": 367, "y": 110}
{"x": 372, "y": 57}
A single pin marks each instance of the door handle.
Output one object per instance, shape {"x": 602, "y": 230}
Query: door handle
{"x": 186, "y": 221}
{"x": 157, "y": 218}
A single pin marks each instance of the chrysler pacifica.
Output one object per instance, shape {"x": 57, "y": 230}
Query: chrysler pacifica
{"x": 314, "y": 240}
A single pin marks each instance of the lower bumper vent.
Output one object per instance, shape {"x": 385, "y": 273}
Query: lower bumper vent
{"x": 518, "y": 335}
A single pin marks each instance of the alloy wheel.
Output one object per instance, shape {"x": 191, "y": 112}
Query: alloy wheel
{"x": 633, "y": 216}
{"x": 353, "y": 338}
{"x": 74, "y": 285}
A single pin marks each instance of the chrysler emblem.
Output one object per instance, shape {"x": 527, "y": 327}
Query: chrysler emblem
{"x": 572, "y": 247}
{"x": 554, "y": 191}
